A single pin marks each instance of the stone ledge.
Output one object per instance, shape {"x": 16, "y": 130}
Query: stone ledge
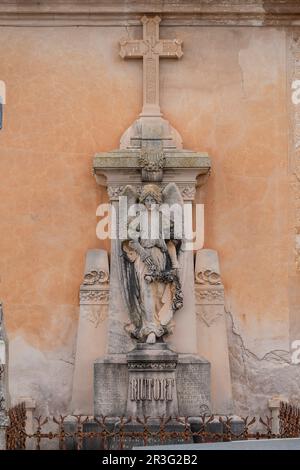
{"x": 121, "y": 12}
{"x": 121, "y": 159}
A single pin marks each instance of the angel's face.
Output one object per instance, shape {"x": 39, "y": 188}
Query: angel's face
{"x": 150, "y": 202}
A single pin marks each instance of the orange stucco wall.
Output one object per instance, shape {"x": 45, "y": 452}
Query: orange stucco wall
{"x": 70, "y": 95}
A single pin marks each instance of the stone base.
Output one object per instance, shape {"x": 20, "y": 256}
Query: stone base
{"x": 152, "y": 381}
{"x": 111, "y": 384}
{"x": 193, "y": 385}
{"x": 2, "y": 437}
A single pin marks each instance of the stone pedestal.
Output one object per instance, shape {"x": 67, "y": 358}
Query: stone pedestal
{"x": 152, "y": 382}
{"x": 121, "y": 387}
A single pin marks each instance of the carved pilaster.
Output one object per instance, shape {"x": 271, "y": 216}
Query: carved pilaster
{"x": 294, "y": 147}
{"x": 93, "y": 312}
{"x": 211, "y": 325}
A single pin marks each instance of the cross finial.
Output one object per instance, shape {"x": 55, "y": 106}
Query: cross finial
{"x": 150, "y": 49}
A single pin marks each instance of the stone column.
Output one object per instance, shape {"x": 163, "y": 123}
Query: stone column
{"x": 211, "y": 328}
{"x": 91, "y": 336}
{"x": 274, "y": 406}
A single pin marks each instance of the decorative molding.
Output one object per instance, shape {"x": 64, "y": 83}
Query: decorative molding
{"x": 188, "y": 192}
{"x": 129, "y": 12}
{"x": 152, "y": 365}
{"x": 95, "y": 316}
{"x": 94, "y": 297}
{"x": 212, "y": 296}
{"x": 152, "y": 161}
{"x": 208, "y": 277}
{"x": 204, "y": 409}
{"x": 209, "y": 317}
{"x": 96, "y": 278}
{"x": 2, "y": 404}
{"x": 114, "y": 192}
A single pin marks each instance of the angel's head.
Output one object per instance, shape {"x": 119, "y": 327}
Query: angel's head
{"x": 151, "y": 195}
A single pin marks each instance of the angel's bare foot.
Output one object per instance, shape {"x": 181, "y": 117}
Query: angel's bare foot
{"x": 151, "y": 339}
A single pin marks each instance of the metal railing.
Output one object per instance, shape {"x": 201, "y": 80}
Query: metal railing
{"x": 83, "y": 432}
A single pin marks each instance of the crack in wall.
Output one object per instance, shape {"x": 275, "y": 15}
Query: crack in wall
{"x": 256, "y": 379}
{"x": 273, "y": 354}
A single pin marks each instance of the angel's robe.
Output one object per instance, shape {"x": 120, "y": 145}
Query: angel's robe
{"x": 156, "y": 296}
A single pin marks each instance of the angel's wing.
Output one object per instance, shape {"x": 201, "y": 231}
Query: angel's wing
{"x": 128, "y": 198}
{"x": 172, "y": 195}
{"x": 131, "y": 194}
{"x": 129, "y": 280}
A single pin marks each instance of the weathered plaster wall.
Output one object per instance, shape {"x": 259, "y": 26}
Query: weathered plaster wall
{"x": 69, "y": 95}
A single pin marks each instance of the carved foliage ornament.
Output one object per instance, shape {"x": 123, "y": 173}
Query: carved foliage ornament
{"x": 95, "y": 277}
{"x": 152, "y": 365}
{"x": 188, "y": 192}
{"x": 209, "y": 295}
{"x": 152, "y": 161}
{"x": 208, "y": 277}
{"x": 95, "y": 316}
{"x": 94, "y": 296}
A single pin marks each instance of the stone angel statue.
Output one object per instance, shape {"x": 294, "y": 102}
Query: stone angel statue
{"x": 150, "y": 260}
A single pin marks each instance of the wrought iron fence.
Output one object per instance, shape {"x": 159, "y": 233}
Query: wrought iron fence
{"x": 15, "y": 434}
{"x": 83, "y": 432}
{"x": 289, "y": 420}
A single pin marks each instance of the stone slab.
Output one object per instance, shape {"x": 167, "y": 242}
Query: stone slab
{"x": 193, "y": 385}
{"x": 110, "y": 385}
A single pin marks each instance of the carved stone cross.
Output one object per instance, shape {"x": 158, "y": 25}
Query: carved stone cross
{"x": 150, "y": 49}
